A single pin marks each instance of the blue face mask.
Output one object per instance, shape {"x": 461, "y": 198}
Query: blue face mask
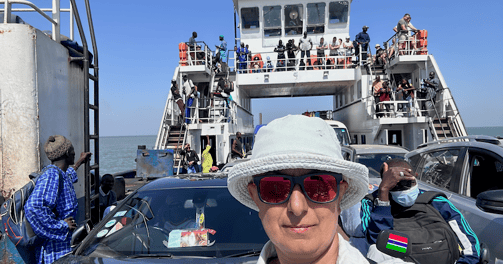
{"x": 406, "y": 198}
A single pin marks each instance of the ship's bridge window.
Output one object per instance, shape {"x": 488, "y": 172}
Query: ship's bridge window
{"x": 272, "y": 21}
{"x": 293, "y": 19}
{"x": 250, "y": 18}
{"x": 316, "y": 18}
{"x": 338, "y": 12}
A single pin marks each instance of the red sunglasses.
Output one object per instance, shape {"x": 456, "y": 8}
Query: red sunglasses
{"x": 318, "y": 187}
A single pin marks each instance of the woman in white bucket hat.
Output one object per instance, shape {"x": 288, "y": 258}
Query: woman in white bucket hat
{"x": 298, "y": 182}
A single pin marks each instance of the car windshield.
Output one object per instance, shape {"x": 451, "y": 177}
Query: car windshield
{"x": 375, "y": 161}
{"x": 202, "y": 222}
{"x": 342, "y": 135}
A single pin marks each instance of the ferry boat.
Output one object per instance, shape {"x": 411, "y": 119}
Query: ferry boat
{"x": 348, "y": 79}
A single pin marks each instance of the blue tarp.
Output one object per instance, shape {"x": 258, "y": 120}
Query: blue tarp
{"x": 257, "y": 128}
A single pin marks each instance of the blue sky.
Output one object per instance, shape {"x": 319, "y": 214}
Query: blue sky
{"x": 138, "y": 52}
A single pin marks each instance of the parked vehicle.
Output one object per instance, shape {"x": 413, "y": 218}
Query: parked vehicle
{"x": 464, "y": 168}
{"x": 341, "y": 131}
{"x": 175, "y": 219}
{"x": 372, "y": 156}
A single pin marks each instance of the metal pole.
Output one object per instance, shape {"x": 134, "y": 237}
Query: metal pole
{"x": 235, "y": 31}
{"x": 6, "y": 12}
{"x": 72, "y": 33}
{"x": 56, "y": 17}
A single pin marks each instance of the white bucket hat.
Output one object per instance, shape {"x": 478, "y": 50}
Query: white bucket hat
{"x": 298, "y": 142}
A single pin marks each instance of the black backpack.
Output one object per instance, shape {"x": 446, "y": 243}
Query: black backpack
{"x": 14, "y": 222}
{"x": 432, "y": 238}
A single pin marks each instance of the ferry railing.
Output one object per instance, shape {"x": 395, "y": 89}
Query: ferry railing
{"x": 194, "y": 54}
{"x": 293, "y": 64}
{"x": 412, "y": 45}
{"x": 232, "y": 66}
{"x": 55, "y": 10}
{"x": 219, "y": 111}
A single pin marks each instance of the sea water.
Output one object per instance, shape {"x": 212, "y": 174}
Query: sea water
{"x": 118, "y": 154}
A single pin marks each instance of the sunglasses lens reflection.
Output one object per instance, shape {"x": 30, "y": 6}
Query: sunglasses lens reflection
{"x": 274, "y": 189}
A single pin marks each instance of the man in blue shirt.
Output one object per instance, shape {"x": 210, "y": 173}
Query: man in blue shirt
{"x": 362, "y": 42}
{"x": 52, "y": 207}
{"x": 242, "y": 53}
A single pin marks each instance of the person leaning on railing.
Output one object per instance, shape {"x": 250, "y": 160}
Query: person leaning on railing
{"x": 402, "y": 28}
{"x": 385, "y": 97}
{"x": 408, "y": 94}
{"x": 280, "y": 49}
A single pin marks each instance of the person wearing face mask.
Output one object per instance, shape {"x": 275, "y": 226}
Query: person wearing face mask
{"x": 438, "y": 231}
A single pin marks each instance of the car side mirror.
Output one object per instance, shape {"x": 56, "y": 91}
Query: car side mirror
{"x": 491, "y": 201}
{"x": 81, "y": 233}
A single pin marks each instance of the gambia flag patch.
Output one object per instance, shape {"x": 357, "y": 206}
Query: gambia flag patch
{"x": 397, "y": 243}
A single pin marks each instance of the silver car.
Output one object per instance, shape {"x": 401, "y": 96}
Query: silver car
{"x": 464, "y": 168}
{"x": 372, "y": 156}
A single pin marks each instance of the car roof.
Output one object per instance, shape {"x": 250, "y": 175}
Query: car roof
{"x": 187, "y": 181}
{"x": 335, "y": 123}
{"x": 374, "y": 148}
{"x": 483, "y": 142}
{"x": 464, "y": 140}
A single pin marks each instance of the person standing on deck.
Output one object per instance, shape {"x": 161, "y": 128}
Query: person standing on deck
{"x": 377, "y": 86}
{"x": 402, "y": 30}
{"x": 206, "y": 156}
{"x": 320, "y": 53}
{"x": 190, "y": 91}
{"x": 52, "y": 207}
{"x": 175, "y": 92}
{"x": 362, "y": 41}
{"x": 237, "y": 147}
{"x": 305, "y": 45}
{"x": 432, "y": 86}
{"x": 223, "y": 49}
{"x": 280, "y": 49}
{"x": 408, "y": 94}
{"x": 348, "y": 47}
{"x": 192, "y": 45}
{"x": 242, "y": 53}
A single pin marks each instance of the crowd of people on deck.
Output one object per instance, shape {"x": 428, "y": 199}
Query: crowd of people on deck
{"x": 340, "y": 53}
{"x": 420, "y": 101}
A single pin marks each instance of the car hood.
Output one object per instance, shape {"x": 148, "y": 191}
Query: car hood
{"x": 72, "y": 259}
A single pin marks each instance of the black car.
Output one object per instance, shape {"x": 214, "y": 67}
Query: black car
{"x": 175, "y": 219}
{"x": 469, "y": 170}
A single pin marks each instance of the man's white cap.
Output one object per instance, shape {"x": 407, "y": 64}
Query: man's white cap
{"x": 298, "y": 142}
